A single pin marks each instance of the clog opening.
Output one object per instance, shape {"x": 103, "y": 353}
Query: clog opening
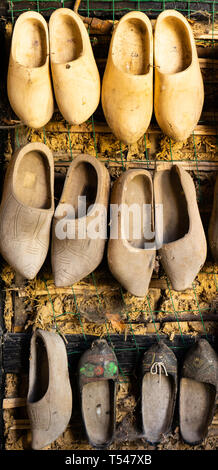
{"x": 131, "y": 47}
{"x": 173, "y": 52}
{"x": 32, "y": 180}
{"x": 98, "y": 410}
{"x": 170, "y": 194}
{"x": 30, "y": 44}
{"x": 41, "y": 373}
{"x": 82, "y": 183}
{"x": 66, "y": 39}
{"x": 138, "y": 220}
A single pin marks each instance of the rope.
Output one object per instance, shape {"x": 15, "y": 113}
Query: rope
{"x": 157, "y": 367}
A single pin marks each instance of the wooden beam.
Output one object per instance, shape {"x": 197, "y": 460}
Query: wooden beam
{"x": 81, "y": 289}
{"x": 104, "y": 10}
{"x": 210, "y": 36}
{"x": 16, "y": 402}
{"x": 16, "y": 348}
{"x": 199, "y": 165}
{"x": 60, "y": 126}
{"x": 208, "y": 63}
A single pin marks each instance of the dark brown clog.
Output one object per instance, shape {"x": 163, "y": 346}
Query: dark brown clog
{"x": 198, "y": 388}
{"x": 159, "y": 389}
{"x": 98, "y": 373}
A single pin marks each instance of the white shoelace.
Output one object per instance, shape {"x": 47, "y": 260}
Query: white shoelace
{"x": 157, "y": 367}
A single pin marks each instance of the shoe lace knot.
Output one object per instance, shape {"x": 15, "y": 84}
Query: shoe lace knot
{"x": 157, "y": 368}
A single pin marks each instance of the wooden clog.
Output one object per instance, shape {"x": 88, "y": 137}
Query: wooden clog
{"x": 29, "y": 83}
{"x": 49, "y": 400}
{"x": 127, "y": 87}
{"x": 130, "y": 263}
{"x": 213, "y": 225}
{"x": 74, "y": 71}
{"x": 198, "y": 388}
{"x": 27, "y": 209}
{"x": 178, "y": 91}
{"x": 98, "y": 373}
{"x": 159, "y": 389}
{"x": 184, "y": 247}
{"x": 77, "y": 255}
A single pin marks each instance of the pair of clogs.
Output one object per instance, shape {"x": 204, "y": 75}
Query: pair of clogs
{"x": 159, "y": 216}
{"x": 197, "y": 391}
{"x": 66, "y": 46}
{"x": 27, "y": 211}
{"x": 127, "y": 88}
{"x": 49, "y": 399}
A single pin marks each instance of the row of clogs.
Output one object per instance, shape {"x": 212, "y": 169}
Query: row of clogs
{"x": 171, "y": 227}
{"x": 178, "y": 230}
{"x": 127, "y": 88}
{"x": 49, "y": 400}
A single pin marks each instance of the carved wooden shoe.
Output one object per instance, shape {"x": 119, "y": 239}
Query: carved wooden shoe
{"x": 98, "y": 373}
{"x": 29, "y": 83}
{"x": 213, "y": 225}
{"x": 49, "y": 400}
{"x": 78, "y": 247}
{"x": 74, "y": 71}
{"x": 27, "y": 208}
{"x": 179, "y": 92}
{"x": 130, "y": 263}
{"x": 184, "y": 248}
{"x": 159, "y": 389}
{"x": 127, "y": 87}
{"x": 198, "y": 388}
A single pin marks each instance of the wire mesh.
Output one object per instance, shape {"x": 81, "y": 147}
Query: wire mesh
{"x": 117, "y": 8}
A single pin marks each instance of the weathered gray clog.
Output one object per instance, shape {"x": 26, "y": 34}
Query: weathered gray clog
{"x": 49, "y": 400}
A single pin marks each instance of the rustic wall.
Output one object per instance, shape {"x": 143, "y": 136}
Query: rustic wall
{"x": 98, "y": 305}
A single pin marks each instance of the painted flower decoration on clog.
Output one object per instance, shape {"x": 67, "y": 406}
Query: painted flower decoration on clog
{"x": 94, "y": 370}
